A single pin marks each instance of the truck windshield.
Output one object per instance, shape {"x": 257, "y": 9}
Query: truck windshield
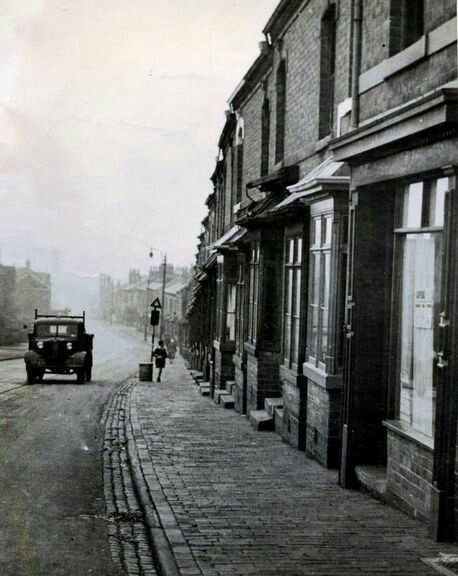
{"x": 53, "y": 330}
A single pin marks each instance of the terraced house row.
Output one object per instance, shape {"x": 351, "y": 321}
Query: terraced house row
{"x": 325, "y": 292}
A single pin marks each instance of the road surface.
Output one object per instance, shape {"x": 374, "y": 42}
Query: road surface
{"x": 52, "y": 508}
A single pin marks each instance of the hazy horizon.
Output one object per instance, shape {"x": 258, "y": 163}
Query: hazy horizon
{"x": 110, "y": 114}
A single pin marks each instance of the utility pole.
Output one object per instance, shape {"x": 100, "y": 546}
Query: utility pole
{"x": 164, "y": 273}
{"x": 147, "y": 310}
{"x": 164, "y": 280}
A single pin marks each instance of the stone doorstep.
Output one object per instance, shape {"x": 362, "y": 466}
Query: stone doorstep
{"x": 197, "y": 375}
{"x": 218, "y": 393}
{"x": 278, "y": 419}
{"x": 229, "y": 386}
{"x": 204, "y": 388}
{"x": 227, "y": 401}
{"x": 260, "y": 420}
{"x": 271, "y": 403}
{"x": 373, "y": 480}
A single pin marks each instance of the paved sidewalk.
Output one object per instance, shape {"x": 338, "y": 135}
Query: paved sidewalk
{"x": 13, "y": 352}
{"x": 236, "y": 502}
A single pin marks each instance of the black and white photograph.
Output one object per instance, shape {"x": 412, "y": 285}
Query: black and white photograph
{"x": 228, "y": 288}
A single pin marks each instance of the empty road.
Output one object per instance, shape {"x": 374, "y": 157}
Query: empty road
{"x": 51, "y": 442}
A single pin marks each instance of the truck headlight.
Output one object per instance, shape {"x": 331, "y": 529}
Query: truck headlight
{"x": 69, "y": 345}
{"x": 40, "y": 345}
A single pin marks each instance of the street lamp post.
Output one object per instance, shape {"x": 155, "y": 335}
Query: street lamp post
{"x": 164, "y": 277}
{"x": 147, "y": 305}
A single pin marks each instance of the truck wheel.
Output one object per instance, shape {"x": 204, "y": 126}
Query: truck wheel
{"x": 31, "y": 375}
{"x": 88, "y": 373}
{"x": 80, "y": 373}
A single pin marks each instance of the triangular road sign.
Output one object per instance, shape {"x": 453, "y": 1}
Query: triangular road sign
{"x": 156, "y": 303}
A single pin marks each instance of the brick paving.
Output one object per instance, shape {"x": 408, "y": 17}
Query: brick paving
{"x": 237, "y": 502}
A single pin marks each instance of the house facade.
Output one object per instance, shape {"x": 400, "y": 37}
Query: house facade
{"x": 401, "y": 300}
{"x": 325, "y": 281}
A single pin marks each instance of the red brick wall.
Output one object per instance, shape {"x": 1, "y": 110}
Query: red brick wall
{"x": 301, "y": 49}
{"x": 252, "y": 113}
{"x": 410, "y": 83}
{"x": 409, "y": 475}
{"x": 376, "y": 26}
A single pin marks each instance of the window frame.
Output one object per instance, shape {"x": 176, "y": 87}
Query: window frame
{"x": 407, "y": 24}
{"x": 254, "y": 268}
{"x": 265, "y": 137}
{"x": 280, "y": 111}
{"x": 240, "y": 306}
{"x": 328, "y": 48}
{"x": 292, "y": 314}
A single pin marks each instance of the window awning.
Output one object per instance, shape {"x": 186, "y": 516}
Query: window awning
{"x": 229, "y": 239}
{"x": 329, "y": 175}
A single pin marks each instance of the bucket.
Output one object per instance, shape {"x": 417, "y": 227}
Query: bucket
{"x": 145, "y": 372}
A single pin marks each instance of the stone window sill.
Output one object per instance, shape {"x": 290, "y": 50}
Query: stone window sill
{"x": 409, "y": 433}
{"x": 318, "y": 376}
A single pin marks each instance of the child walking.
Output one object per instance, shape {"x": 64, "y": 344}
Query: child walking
{"x": 160, "y": 354}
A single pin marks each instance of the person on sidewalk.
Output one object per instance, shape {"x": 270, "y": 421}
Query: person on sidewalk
{"x": 160, "y": 355}
{"x": 171, "y": 350}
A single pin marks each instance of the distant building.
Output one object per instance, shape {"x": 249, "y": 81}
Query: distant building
{"x": 174, "y": 308}
{"x": 9, "y": 324}
{"x": 32, "y": 291}
{"x": 129, "y": 303}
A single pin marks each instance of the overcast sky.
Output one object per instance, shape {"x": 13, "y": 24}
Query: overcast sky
{"x": 110, "y": 114}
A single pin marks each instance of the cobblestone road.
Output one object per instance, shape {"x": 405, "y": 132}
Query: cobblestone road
{"x": 237, "y": 502}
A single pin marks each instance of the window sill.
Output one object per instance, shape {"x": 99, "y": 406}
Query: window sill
{"x": 250, "y": 348}
{"x": 322, "y": 143}
{"x": 318, "y": 376}
{"x": 292, "y": 376}
{"x": 409, "y": 433}
{"x": 425, "y": 46}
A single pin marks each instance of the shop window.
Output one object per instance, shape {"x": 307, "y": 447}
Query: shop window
{"x": 327, "y": 71}
{"x": 280, "y": 112}
{"x": 265, "y": 137}
{"x": 320, "y": 282}
{"x": 406, "y": 23}
{"x": 420, "y": 237}
{"x": 293, "y": 287}
{"x": 253, "y": 292}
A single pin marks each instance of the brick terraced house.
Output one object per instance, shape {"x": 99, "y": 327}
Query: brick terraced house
{"x": 324, "y": 294}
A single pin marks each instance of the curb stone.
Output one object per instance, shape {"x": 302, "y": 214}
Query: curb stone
{"x": 129, "y": 540}
{"x": 158, "y": 514}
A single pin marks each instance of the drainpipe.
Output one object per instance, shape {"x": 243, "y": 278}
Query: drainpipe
{"x": 356, "y": 60}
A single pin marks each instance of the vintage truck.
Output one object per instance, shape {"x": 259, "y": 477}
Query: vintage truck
{"x": 59, "y": 345}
